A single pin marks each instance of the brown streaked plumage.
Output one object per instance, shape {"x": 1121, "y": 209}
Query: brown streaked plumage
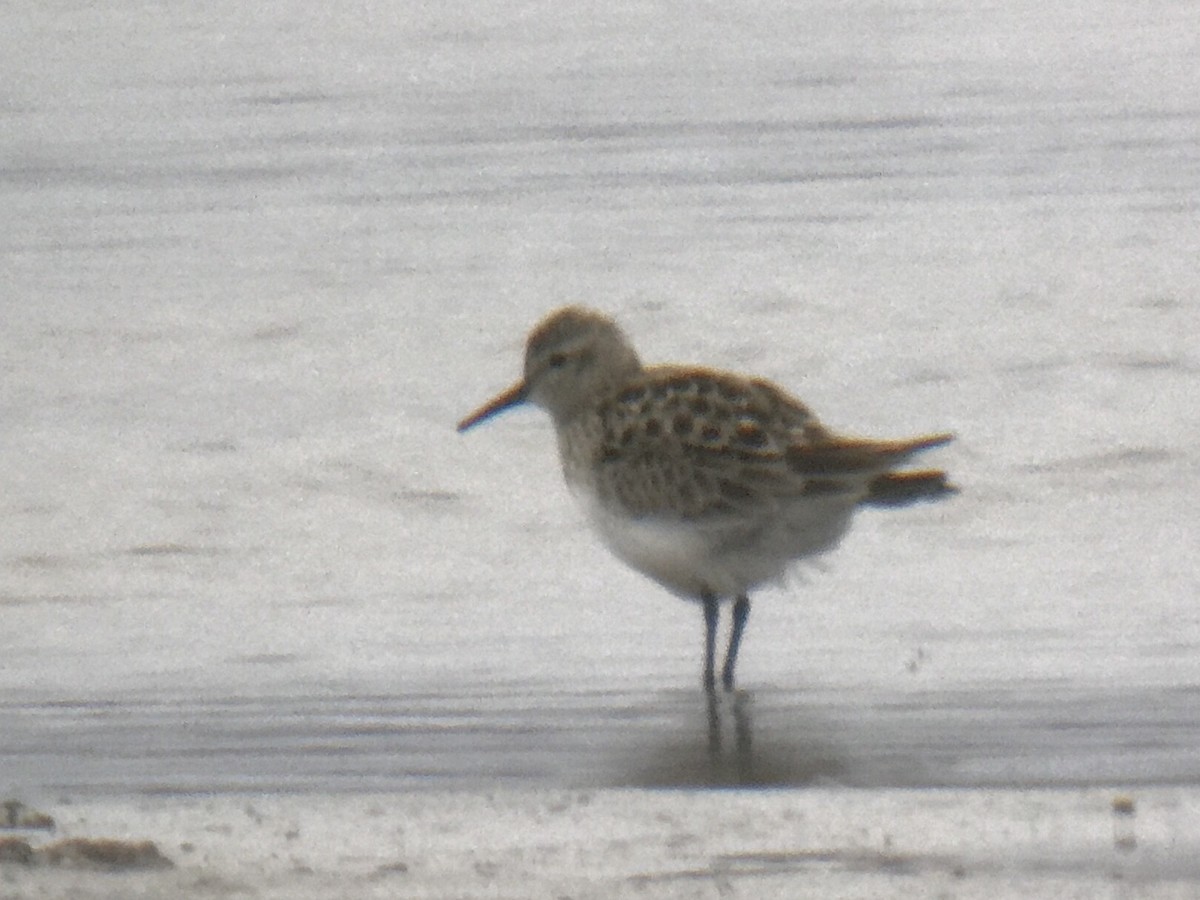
{"x": 708, "y": 482}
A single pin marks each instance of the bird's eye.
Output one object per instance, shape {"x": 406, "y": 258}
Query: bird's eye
{"x": 557, "y": 360}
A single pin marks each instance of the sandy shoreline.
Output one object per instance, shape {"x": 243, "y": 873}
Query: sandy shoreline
{"x": 643, "y": 843}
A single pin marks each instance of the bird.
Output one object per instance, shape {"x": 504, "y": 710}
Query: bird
{"x": 711, "y": 483}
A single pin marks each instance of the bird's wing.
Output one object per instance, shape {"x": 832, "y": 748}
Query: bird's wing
{"x": 697, "y": 442}
{"x": 850, "y": 456}
{"x": 694, "y": 442}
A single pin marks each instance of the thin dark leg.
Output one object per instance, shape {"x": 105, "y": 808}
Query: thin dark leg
{"x": 712, "y": 611}
{"x": 741, "y": 612}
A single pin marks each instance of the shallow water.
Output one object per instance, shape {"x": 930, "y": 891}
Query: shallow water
{"x": 257, "y": 263}
{"x": 544, "y": 735}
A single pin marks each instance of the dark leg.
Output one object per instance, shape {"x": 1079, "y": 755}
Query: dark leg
{"x": 741, "y": 612}
{"x": 712, "y": 610}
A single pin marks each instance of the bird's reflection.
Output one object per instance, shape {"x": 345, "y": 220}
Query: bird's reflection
{"x": 714, "y": 739}
{"x": 734, "y": 759}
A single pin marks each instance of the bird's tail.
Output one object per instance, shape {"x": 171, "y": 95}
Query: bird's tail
{"x": 903, "y": 488}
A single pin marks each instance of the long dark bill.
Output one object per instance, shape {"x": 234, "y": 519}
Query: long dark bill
{"x": 514, "y": 396}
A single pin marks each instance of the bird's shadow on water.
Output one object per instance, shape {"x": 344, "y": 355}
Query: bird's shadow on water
{"x": 718, "y": 746}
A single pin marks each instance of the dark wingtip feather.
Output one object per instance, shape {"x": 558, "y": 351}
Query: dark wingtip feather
{"x": 903, "y": 488}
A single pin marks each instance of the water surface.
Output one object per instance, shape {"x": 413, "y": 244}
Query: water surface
{"x": 257, "y": 262}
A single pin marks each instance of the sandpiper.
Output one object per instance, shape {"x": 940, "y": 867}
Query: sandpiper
{"x": 708, "y": 482}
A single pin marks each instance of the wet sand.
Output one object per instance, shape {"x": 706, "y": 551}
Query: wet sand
{"x": 760, "y": 793}
{"x": 641, "y": 843}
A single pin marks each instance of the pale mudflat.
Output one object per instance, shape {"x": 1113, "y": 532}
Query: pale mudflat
{"x": 971, "y": 845}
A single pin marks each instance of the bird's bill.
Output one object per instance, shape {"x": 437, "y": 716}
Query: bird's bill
{"x": 514, "y": 396}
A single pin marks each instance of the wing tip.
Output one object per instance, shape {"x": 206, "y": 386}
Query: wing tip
{"x": 904, "y": 488}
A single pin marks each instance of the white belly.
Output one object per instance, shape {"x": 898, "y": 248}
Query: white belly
{"x": 720, "y": 557}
